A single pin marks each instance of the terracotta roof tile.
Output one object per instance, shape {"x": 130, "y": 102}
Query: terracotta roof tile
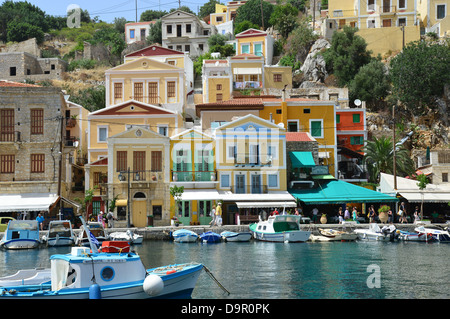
{"x": 5, "y": 83}
{"x": 298, "y": 137}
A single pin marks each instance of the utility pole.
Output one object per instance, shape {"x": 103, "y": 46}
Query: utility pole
{"x": 395, "y": 146}
{"x": 262, "y": 16}
{"x": 61, "y": 131}
{"x": 135, "y": 2}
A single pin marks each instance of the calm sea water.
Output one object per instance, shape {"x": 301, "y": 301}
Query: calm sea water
{"x": 254, "y": 270}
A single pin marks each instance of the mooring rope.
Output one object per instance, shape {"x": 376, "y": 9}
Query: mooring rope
{"x": 214, "y": 278}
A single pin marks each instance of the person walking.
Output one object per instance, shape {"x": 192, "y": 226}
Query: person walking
{"x": 416, "y": 215}
{"x": 402, "y": 213}
{"x": 213, "y": 215}
{"x": 340, "y": 215}
{"x": 315, "y": 212}
{"x": 372, "y": 214}
{"x": 347, "y": 213}
{"x": 218, "y": 219}
{"x": 110, "y": 218}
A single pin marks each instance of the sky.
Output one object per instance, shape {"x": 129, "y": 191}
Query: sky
{"x": 107, "y": 10}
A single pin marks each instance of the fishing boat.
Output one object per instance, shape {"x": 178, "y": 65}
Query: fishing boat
{"x": 85, "y": 273}
{"x": 210, "y": 237}
{"x": 239, "y": 237}
{"x": 21, "y": 234}
{"x": 415, "y": 236}
{"x": 184, "y": 236}
{"x": 34, "y": 276}
{"x": 374, "y": 232}
{"x": 96, "y": 229}
{"x": 437, "y": 233}
{"x": 337, "y": 235}
{"x": 129, "y": 236}
{"x": 60, "y": 233}
{"x": 280, "y": 228}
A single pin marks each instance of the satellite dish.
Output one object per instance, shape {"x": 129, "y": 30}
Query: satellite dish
{"x": 357, "y": 102}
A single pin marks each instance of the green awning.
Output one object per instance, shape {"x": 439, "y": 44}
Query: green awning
{"x": 301, "y": 159}
{"x": 340, "y": 192}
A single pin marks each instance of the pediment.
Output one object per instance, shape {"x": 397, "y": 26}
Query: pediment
{"x": 143, "y": 64}
{"x": 140, "y": 132}
{"x": 133, "y": 108}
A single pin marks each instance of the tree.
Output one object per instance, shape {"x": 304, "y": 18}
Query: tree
{"x": 299, "y": 4}
{"x": 371, "y": 84}
{"x": 112, "y": 40}
{"x": 422, "y": 184}
{"x": 244, "y": 25}
{"x": 150, "y": 15}
{"x": 284, "y": 19}
{"x": 183, "y": 8}
{"x": 251, "y": 11}
{"x": 208, "y": 8}
{"x": 348, "y": 52}
{"x": 176, "y": 192}
{"x": 419, "y": 74}
{"x": 300, "y": 40}
{"x": 379, "y": 158}
{"x": 21, "y": 31}
{"x": 119, "y": 24}
{"x": 155, "y": 34}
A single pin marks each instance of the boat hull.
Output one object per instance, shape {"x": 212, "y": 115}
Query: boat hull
{"x": 408, "y": 236}
{"x": 299, "y": 236}
{"x": 210, "y": 238}
{"x": 236, "y": 237}
{"x": 20, "y": 244}
{"x": 177, "y": 285}
{"x": 60, "y": 241}
{"x": 184, "y": 236}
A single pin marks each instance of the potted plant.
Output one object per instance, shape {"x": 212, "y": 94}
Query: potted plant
{"x": 383, "y": 213}
{"x": 323, "y": 219}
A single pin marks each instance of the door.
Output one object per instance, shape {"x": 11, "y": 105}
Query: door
{"x": 178, "y": 30}
{"x": 184, "y": 212}
{"x": 142, "y": 34}
{"x": 240, "y": 184}
{"x": 256, "y": 184}
{"x": 139, "y": 212}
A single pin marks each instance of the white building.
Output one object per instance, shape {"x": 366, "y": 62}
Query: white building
{"x": 137, "y": 31}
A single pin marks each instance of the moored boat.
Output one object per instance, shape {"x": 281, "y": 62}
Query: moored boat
{"x": 21, "y": 234}
{"x": 96, "y": 229}
{"x": 280, "y": 228}
{"x": 374, "y": 232}
{"x": 238, "y": 237}
{"x": 60, "y": 233}
{"x": 34, "y": 276}
{"x": 415, "y": 236}
{"x": 437, "y": 233}
{"x": 129, "y": 236}
{"x": 184, "y": 236}
{"x": 210, "y": 237}
{"x": 337, "y": 235}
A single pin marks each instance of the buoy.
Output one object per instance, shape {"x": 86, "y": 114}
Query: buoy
{"x": 153, "y": 285}
{"x": 95, "y": 292}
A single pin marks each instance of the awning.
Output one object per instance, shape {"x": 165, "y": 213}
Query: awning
{"x": 71, "y": 202}
{"x": 302, "y": 159}
{"x": 243, "y": 71}
{"x": 121, "y": 202}
{"x": 200, "y": 194}
{"x": 278, "y": 205}
{"x": 339, "y": 192}
{"x": 275, "y": 196}
{"x": 428, "y": 197}
{"x": 28, "y": 202}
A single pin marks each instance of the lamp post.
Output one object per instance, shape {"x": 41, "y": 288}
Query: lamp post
{"x": 128, "y": 196}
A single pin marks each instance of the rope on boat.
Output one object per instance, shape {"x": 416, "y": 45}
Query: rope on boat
{"x": 214, "y": 278}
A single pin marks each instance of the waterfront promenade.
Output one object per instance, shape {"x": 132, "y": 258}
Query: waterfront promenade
{"x": 163, "y": 232}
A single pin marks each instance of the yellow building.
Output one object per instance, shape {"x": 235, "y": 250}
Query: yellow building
{"x": 256, "y": 42}
{"x": 386, "y": 25}
{"x": 435, "y": 16}
{"x": 193, "y": 167}
{"x": 251, "y": 168}
{"x": 241, "y": 73}
{"x": 149, "y": 81}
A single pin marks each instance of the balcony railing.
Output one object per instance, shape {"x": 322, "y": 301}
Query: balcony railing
{"x": 70, "y": 141}
{"x": 252, "y": 160}
{"x": 12, "y": 136}
{"x": 141, "y": 176}
{"x": 388, "y": 9}
{"x": 247, "y": 85}
{"x": 193, "y": 176}
{"x": 250, "y": 189}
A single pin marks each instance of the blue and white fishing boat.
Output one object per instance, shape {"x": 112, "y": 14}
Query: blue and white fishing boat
{"x": 184, "y": 236}
{"x": 415, "y": 236}
{"x": 238, "y": 237}
{"x": 374, "y": 232}
{"x": 280, "y": 228}
{"x": 21, "y": 234}
{"x": 96, "y": 229}
{"x": 210, "y": 237}
{"x": 85, "y": 275}
{"x": 60, "y": 233}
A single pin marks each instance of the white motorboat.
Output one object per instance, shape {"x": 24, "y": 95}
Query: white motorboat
{"x": 34, "y": 276}
{"x": 338, "y": 235}
{"x": 280, "y": 228}
{"x": 60, "y": 233}
{"x": 21, "y": 234}
{"x": 437, "y": 233}
{"x": 184, "y": 236}
{"x": 416, "y": 236}
{"x": 239, "y": 237}
{"x": 374, "y": 232}
{"x": 129, "y": 236}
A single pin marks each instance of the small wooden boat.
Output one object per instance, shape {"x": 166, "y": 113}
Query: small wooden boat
{"x": 129, "y": 236}
{"x": 337, "y": 235}
{"x": 210, "y": 237}
{"x": 21, "y": 234}
{"x": 184, "y": 236}
{"x": 60, "y": 233}
{"x": 280, "y": 228}
{"x": 239, "y": 237}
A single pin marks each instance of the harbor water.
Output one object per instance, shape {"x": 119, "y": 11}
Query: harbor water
{"x": 312, "y": 270}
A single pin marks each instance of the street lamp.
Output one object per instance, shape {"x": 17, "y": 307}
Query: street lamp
{"x": 121, "y": 178}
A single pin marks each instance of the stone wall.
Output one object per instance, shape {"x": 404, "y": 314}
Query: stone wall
{"x": 22, "y": 99}
{"x": 29, "y": 46}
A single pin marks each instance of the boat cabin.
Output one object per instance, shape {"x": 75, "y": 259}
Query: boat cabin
{"x": 280, "y": 223}
{"x": 22, "y": 229}
{"x": 61, "y": 228}
{"x": 79, "y": 269}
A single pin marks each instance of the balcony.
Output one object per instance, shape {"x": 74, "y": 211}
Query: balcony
{"x": 244, "y": 159}
{"x": 250, "y": 189}
{"x": 247, "y": 85}
{"x": 147, "y": 99}
{"x": 71, "y": 122}
{"x": 194, "y": 179}
{"x": 142, "y": 176}
{"x": 386, "y": 10}
{"x": 71, "y": 141}
{"x": 10, "y": 136}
